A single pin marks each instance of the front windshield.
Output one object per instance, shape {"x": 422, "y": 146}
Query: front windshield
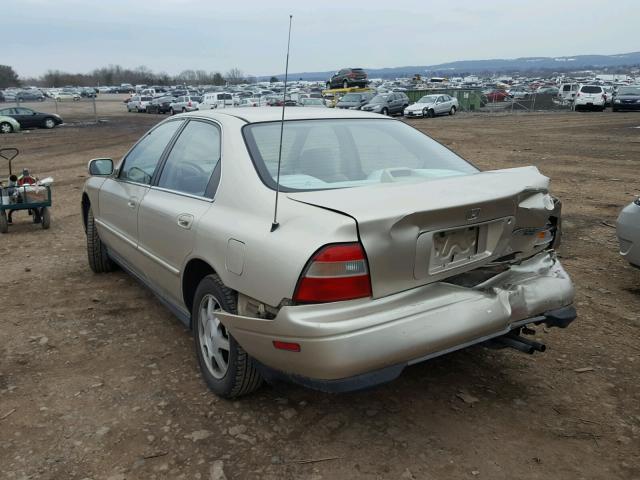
{"x": 324, "y": 154}
{"x": 629, "y": 91}
{"x": 379, "y": 99}
{"x": 428, "y": 99}
{"x": 312, "y": 101}
{"x": 352, "y": 97}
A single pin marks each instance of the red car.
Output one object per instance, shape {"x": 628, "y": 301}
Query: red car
{"x": 496, "y": 96}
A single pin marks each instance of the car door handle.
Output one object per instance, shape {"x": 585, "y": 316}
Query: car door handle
{"x": 185, "y": 220}
{"x": 132, "y": 203}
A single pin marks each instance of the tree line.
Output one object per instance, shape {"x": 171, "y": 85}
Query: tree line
{"x": 116, "y": 75}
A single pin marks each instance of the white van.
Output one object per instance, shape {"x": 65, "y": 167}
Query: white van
{"x": 216, "y": 100}
{"x": 568, "y": 92}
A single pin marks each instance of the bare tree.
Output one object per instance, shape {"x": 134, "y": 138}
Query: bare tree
{"x": 235, "y": 76}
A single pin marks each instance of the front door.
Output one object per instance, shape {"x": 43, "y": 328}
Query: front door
{"x": 120, "y": 196}
{"x": 171, "y": 210}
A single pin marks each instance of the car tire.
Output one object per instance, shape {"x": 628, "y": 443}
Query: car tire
{"x": 385, "y": 111}
{"x": 431, "y": 113}
{"x": 99, "y": 260}
{"x": 239, "y": 376}
{"x": 345, "y": 84}
{"x": 6, "y": 127}
{"x": 328, "y": 85}
{"x": 425, "y": 112}
{"x": 45, "y": 218}
{"x": 613, "y": 109}
{"x": 184, "y": 110}
{"x": 452, "y": 111}
{"x": 4, "y": 224}
{"x": 172, "y": 111}
{"x": 49, "y": 123}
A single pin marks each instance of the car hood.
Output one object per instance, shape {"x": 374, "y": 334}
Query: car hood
{"x": 398, "y": 222}
{"x": 419, "y": 106}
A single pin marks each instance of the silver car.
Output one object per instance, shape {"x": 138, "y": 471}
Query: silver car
{"x": 629, "y": 233}
{"x": 387, "y": 248}
{"x": 432, "y": 105}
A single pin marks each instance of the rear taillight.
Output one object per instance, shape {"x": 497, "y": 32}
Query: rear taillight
{"x": 336, "y": 272}
{"x": 189, "y": 104}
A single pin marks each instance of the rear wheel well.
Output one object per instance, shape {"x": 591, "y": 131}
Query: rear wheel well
{"x": 194, "y": 272}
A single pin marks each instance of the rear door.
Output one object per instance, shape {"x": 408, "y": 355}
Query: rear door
{"x": 171, "y": 210}
{"x": 120, "y": 196}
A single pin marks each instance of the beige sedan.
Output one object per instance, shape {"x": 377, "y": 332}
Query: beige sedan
{"x": 387, "y": 248}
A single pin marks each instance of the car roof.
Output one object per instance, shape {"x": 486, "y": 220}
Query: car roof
{"x": 270, "y": 114}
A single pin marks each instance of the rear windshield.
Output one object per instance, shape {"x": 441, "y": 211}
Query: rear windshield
{"x": 146, "y": 99}
{"x": 591, "y": 89}
{"x": 352, "y": 97}
{"x": 629, "y": 91}
{"x": 323, "y": 154}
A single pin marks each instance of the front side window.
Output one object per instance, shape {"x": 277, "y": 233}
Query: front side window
{"x": 323, "y": 154}
{"x": 192, "y": 160}
{"x": 141, "y": 162}
{"x": 24, "y": 111}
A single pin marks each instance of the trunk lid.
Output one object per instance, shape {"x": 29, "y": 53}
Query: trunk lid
{"x": 418, "y": 233}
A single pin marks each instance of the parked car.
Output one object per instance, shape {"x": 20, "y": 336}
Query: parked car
{"x": 28, "y": 118}
{"x": 2, "y": 99}
{"x": 62, "y": 96}
{"x": 567, "y": 92}
{"x": 88, "y": 92}
{"x": 184, "y": 103}
{"x": 389, "y": 249}
{"x": 160, "y": 105}
{"x": 496, "y": 96}
{"x": 590, "y": 97}
{"x": 138, "y": 103}
{"x": 30, "y": 96}
{"x": 387, "y": 104}
{"x": 216, "y": 100}
{"x": 626, "y": 98}
{"x": 355, "y": 101}
{"x": 628, "y": 230}
{"x": 432, "y": 105}
{"x": 347, "y": 78}
{"x": 249, "y": 102}
{"x": 312, "y": 102}
{"x": 8, "y": 124}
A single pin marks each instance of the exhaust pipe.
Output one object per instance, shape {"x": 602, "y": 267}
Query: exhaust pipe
{"x": 519, "y": 343}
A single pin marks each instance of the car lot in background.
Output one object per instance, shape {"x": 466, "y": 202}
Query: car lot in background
{"x": 387, "y": 103}
{"x": 590, "y": 97}
{"x": 348, "y": 77}
{"x": 432, "y": 105}
{"x": 626, "y": 98}
{"x": 28, "y": 118}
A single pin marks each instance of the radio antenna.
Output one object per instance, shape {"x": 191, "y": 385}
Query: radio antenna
{"x": 275, "y": 223}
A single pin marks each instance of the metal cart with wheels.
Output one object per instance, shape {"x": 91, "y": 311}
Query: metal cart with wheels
{"x": 27, "y": 195}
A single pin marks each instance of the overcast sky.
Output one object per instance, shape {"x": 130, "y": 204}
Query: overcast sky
{"x": 174, "y": 35}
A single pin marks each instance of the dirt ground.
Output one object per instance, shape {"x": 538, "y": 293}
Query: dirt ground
{"x": 99, "y": 381}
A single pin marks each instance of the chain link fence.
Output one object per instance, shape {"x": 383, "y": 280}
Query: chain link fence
{"x": 474, "y": 100}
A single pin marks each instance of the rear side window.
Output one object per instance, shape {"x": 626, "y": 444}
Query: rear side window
{"x": 141, "y": 163}
{"x": 591, "y": 89}
{"x": 192, "y": 160}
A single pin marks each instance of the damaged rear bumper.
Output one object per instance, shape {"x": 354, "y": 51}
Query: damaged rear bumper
{"x": 359, "y": 343}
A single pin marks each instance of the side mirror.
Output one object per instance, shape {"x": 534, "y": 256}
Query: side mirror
{"x": 101, "y": 166}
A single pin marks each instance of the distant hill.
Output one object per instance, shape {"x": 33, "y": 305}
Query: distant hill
{"x": 556, "y": 64}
